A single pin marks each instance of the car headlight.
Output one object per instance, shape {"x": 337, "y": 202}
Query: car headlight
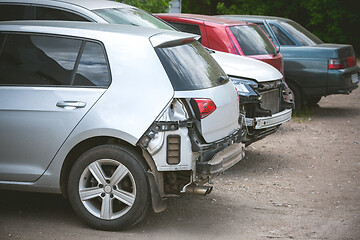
{"x": 244, "y": 86}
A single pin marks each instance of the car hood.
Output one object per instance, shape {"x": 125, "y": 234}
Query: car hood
{"x": 244, "y": 67}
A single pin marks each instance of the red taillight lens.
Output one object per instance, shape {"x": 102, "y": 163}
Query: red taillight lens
{"x": 237, "y": 94}
{"x": 351, "y": 61}
{"x": 206, "y": 106}
{"x": 336, "y": 63}
{"x": 341, "y": 63}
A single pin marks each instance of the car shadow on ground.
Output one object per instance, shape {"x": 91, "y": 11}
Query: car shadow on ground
{"x": 334, "y": 112}
{"x": 187, "y": 212}
{"x": 190, "y": 213}
{"x": 257, "y": 161}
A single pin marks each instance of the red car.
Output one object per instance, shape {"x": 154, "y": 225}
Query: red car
{"x": 232, "y": 36}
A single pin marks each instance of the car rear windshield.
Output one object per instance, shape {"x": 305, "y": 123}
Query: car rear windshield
{"x": 131, "y": 16}
{"x": 252, "y": 40}
{"x": 190, "y": 67}
{"x": 302, "y": 35}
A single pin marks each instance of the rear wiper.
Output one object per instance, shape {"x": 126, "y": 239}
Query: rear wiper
{"x": 222, "y": 79}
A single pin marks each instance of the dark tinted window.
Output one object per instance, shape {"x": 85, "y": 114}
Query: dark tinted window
{"x": 48, "y": 61}
{"x": 281, "y": 36}
{"x": 92, "y": 69}
{"x": 189, "y": 28}
{"x": 190, "y": 66}
{"x": 37, "y": 60}
{"x": 131, "y": 16}
{"x": 2, "y": 42}
{"x": 252, "y": 40}
{"x": 44, "y": 13}
{"x": 301, "y": 34}
{"x": 11, "y": 12}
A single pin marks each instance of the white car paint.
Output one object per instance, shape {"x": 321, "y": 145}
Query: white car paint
{"x": 239, "y": 66}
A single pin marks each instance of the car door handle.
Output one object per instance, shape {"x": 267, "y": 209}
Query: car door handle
{"x": 71, "y": 104}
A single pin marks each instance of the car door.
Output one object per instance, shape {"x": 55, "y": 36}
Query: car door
{"x": 47, "y": 85}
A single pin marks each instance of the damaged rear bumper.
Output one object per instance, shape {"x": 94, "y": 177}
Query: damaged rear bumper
{"x": 221, "y": 161}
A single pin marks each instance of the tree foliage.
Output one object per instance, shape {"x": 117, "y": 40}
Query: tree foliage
{"x": 334, "y": 21}
{"x": 153, "y": 6}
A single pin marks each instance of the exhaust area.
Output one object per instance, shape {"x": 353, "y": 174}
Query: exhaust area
{"x": 198, "y": 190}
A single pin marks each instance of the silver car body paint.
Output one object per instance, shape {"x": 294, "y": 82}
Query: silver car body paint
{"x": 134, "y": 100}
{"x": 81, "y": 7}
{"x": 223, "y": 120}
{"x": 42, "y": 125}
{"x": 101, "y": 120}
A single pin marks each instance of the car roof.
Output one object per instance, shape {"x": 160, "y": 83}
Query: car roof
{"x": 87, "y": 4}
{"x": 257, "y": 17}
{"x": 86, "y": 29}
{"x": 213, "y": 19}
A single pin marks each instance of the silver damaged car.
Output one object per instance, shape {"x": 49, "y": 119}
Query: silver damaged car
{"x": 116, "y": 118}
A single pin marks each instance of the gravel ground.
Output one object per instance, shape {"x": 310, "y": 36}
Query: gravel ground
{"x": 302, "y": 182}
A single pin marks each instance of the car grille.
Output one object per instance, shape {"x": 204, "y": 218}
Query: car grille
{"x": 270, "y": 96}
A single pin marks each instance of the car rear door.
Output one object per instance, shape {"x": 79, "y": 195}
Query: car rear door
{"x": 47, "y": 85}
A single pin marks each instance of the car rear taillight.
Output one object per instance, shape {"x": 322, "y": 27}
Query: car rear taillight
{"x": 237, "y": 94}
{"x": 341, "y": 63}
{"x": 351, "y": 61}
{"x": 336, "y": 63}
{"x": 206, "y": 106}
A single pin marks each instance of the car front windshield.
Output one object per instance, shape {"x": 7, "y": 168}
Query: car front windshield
{"x": 190, "y": 67}
{"x": 252, "y": 40}
{"x": 131, "y": 16}
{"x": 302, "y": 35}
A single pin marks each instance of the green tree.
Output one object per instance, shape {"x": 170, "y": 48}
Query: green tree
{"x": 153, "y": 6}
{"x": 334, "y": 21}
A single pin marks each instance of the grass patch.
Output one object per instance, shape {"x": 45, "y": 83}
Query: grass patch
{"x": 303, "y": 114}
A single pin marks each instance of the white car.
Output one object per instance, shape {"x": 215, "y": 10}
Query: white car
{"x": 265, "y": 100}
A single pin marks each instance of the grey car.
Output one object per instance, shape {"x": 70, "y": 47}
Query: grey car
{"x": 116, "y": 118}
{"x": 100, "y": 11}
{"x": 312, "y": 68}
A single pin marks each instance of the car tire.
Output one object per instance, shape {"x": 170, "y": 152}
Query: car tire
{"x": 297, "y": 95}
{"x": 108, "y": 187}
{"x": 312, "y": 101}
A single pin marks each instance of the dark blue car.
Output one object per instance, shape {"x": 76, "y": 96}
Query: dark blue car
{"x": 312, "y": 68}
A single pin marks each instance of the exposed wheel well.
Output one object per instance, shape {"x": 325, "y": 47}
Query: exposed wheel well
{"x": 82, "y": 147}
{"x": 293, "y": 82}
{"x": 298, "y": 94}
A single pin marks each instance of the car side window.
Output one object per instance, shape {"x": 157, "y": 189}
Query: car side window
{"x": 262, "y": 26}
{"x": 281, "y": 36}
{"x": 93, "y": 68}
{"x": 34, "y": 60}
{"x": 46, "y": 13}
{"x": 12, "y": 12}
{"x": 189, "y": 28}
